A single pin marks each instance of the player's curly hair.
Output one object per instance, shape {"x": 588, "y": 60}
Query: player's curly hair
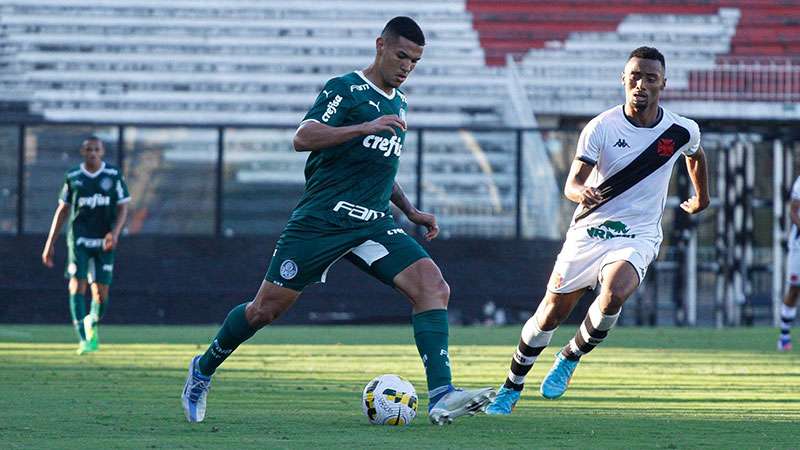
{"x": 648, "y": 53}
{"x": 405, "y": 27}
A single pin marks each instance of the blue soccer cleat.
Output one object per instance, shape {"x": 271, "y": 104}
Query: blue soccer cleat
{"x": 459, "y": 402}
{"x": 504, "y": 403}
{"x": 785, "y": 343}
{"x": 556, "y": 381}
{"x": 195, "y": 392}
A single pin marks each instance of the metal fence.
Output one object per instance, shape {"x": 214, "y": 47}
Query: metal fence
{"x": 231, "y": 180}
{"x": 225, "y": 180}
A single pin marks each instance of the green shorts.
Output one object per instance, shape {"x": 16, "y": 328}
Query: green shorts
{"x": 90, "y": 261}
{"x": 308, "y": 247}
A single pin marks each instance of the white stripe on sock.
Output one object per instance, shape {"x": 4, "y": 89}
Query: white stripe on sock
{"x": 516, "y": 379}
{"x": 533, "y": 336}
{"x": 522, "y": 359}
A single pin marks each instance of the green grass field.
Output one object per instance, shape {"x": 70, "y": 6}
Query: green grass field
{"x": 300, "y": 387}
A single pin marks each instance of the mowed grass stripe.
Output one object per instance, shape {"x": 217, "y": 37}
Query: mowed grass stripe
{"x": 299, "y": 395}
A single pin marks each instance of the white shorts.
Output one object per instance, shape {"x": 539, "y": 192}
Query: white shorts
{"x": 580, "y": 263}
{"x": 793, "y": 266}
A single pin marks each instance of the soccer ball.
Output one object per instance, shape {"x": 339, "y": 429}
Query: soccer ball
{"x": 389, "y": 400}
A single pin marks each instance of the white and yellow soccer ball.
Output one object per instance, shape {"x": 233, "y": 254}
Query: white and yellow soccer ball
{"x": 389, "y": 400}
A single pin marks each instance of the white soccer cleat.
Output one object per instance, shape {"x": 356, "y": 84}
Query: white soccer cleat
{"x": 459, "y": 402}
{"x": 195, "y": 392}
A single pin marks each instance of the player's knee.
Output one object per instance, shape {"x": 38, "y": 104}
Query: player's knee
{"x": 615, "y": 299}
{"x": 432, "y": 295}
{"x": 262, "y": 314}
{"x": 262, "y": 317}
{"x": 441, "y": 293}
{"x": 77, "y": 286}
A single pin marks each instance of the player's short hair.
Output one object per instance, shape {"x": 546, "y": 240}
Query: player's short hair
{"x": 405, "y": 27}
{"x": 92, "y": 138}
{"x": 648, "y": 53}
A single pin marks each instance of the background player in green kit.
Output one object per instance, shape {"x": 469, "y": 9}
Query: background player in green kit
{"x": 94, "y": 199}
{"x": 355, "y": 132}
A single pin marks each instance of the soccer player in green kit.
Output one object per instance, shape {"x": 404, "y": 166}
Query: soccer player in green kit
{"x": 354, "y": 132}
{"x": 94, "y": 200}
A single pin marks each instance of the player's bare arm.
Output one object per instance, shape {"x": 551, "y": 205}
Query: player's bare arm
{"x": 312, "y": 136}
{"x": 698, "y": 173}
{"x": 794, "y": 212}
{"x": 112, "y": 237}
{"x": 414, "y": 215}
{"x": 576, "y": 190}
{"x": 60, "y": 216}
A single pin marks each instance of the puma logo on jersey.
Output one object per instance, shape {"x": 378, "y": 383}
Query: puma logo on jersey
{"x": 330, "y": 110}
{"x": 376, "y": 105}
{"x": 94, "y": 201}
{"x": 326, "y": 93}
{"x": 388, "y": 146}
{"x": 622, "y": 144}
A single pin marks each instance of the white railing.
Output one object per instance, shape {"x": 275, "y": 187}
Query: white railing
{"x": 775, "y": 81}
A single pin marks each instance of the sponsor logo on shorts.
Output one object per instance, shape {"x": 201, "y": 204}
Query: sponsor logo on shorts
{"x": 388, "y": 146}
{"x": 394, "y": 231}
{"x": 358, "y": 212}
{"x": 72, "y": 269}
{"x": 108, "y": 267}
{"x": 610, "y": 229}
{"x": 89, "y": 243}
{"x": 330, "y": 110}
{"x": 94, "y": 201}
{"x": 288, "y": 269}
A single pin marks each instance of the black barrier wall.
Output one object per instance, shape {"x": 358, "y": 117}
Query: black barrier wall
{"x": 196, "y": 280}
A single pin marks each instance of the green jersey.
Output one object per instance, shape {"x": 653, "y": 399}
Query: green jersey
{"x": 93, "y": 200}
{"x": 350, "y": 184}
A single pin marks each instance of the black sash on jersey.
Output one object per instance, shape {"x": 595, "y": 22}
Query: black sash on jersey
{"x": 652, "y": 158}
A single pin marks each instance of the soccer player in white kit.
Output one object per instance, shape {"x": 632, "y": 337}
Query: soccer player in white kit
{"x": 789, "y": 307}
{"x": 619, "y": 179}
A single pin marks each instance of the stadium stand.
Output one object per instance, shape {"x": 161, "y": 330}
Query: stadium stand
{"x": 254, "y": 63}
{"x": 726, "y": 59}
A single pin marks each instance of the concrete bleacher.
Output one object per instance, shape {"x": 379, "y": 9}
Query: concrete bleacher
{"x": 242, "y": 63}
{"x": 260, "y": 60}
{"x": 570, "y": 53}
{"x": 248, "y": 62}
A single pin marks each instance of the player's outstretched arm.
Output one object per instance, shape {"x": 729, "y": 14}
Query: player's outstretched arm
{"x": 112, "y": 237}
{"x": 414, "y": 215}
{"x": 698, "y": 173}
{"x": 312, "y": 135}
{"x": 794, "y": 212}
{"x": 575, "y": 188}
{"x": 59, "y": 218}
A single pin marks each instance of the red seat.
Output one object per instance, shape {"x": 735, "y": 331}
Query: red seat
{"x": 766, "y": 28}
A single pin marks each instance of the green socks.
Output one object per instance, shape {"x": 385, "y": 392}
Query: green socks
{"x": 234, "y": 331}
{"x": 77, "y": 308}
{"x": 431, "y": 334}
{"x": 98, "y": 309}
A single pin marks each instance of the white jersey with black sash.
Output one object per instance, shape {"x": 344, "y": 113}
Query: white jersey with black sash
{"x": 632, "y": 170}
{"x": 794, "y": 233}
